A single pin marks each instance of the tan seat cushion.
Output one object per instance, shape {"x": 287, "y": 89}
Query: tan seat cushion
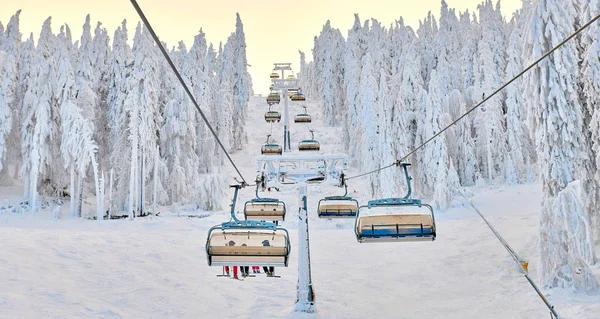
{"x": 401, "y": 219}
{"x": 337, "y": 205}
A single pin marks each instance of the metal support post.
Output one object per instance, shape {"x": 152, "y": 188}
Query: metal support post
{"x": 305, "y": 301}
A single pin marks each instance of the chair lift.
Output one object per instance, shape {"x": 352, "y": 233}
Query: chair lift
{"x": 298, "y": 96}
{"x": 271, "y": 148}
{"x": 274, "y": 75}
{"x": 338, "y": 206}
{"x": 247, "y": 242}
{"x": 407, "y": 219}
{"x": 273, "y": 98}
{"x": 291, "y": 77}
{"x": 303, "y": 117}
{"x": 309, "y": 145}
{"x": 264, "y": 209}
{"x": 272, "y": 116}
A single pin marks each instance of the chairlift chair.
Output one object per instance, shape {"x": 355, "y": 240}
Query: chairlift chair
{"x": 274, "y": 75}
{"x": 303, "y": 117}
{"x": 247, "y": 242}
{"x": 338, "y": 206}
{"x": 291, "y": 77}
{"x": 273, "y": 98}
{"x": 309, "y": 145}
{"x": 272, "y": 116}
{"x": 298, "y": 96}
{"x": 405, "y": 219}
{"x": 271, "y": 148}
{"x": 264, "y": 209}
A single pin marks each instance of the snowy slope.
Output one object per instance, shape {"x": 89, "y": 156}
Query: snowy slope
{"x": 156, "y": 267}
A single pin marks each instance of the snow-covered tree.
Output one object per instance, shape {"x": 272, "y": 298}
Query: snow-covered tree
{"x": 556, "y": 118}
{"x": 178, "y": 138}
{"x": 40, "y": 132}
{"x": 10, "y": 95}
{"x": 328, "y": 57}
{"x": 490, "y": 127}
{"x": 120, "y": 68}
{"x": 77, "y": 145}
{"x": 368, "y": 149}
{"x": 242, "y": 86}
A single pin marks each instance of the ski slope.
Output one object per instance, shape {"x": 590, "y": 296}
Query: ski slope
{"x": 156, "y": 267}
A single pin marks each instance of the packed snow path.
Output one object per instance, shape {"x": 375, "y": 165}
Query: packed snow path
{"x": 156, "y": 267}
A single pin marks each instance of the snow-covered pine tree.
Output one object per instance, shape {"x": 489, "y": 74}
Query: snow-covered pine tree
{"x": 438, "y": 175}
{"x": 470, "y": 33}
{"x": 78, "y": 147}
{"x": 519, "y": 156}
{"x": 40, "y": 132}
{"x": 120, "y": 68}
{"x": 178, "y": 138}
{"x": 195, "y": 70}
{"x": 352, "y": 70}
{"x": 590, "y": 96}
{"x": 242, "y": 86}
{"x": 367, "y": 131}
{"x": 145, "y": 112}
{"x": 101, "y": 52}
{"x": 10, "y": 95}
{"x": 224, "y": 95}
{"x": 85, "y": 74}
{"x": 427, "y": 33}
{"x": 328, "y": 58}
{"x": 557, "y": 117}
{"x": 489, "y": 123}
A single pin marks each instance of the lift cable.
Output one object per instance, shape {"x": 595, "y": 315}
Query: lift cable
{"x": 189, "y": 93}
{"x": 514, "y": 255}
{"x": 397, "y": 163}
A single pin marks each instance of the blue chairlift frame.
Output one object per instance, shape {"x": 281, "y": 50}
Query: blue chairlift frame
{"x": 312, "y": 140}
{"x": 305, "y": 114}
{"x": 249, "y": 225}
{"x": 405, "y": 201}
{"x": 339, "y": 214}
{"x": 263, "y": 200}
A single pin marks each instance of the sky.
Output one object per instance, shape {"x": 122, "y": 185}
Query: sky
{"x": 275, "y": 30}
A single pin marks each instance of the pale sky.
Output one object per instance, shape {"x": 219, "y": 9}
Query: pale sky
{"x": 275, "y": 30}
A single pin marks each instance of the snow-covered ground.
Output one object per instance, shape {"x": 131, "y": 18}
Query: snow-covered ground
{"x": 156, "y": 267}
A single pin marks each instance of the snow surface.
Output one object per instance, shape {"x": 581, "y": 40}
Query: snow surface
{"x": 156, "y": 267}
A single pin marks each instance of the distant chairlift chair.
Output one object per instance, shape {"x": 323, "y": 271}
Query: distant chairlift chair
{"x": 309, "y": 145}
{"x": 271, "y": 148}
{"x": 303, "y": 117}
{"x": 264, "y": 209}
{"x": 273, "y": 98}
{"x": 338, "y": 206}
{"x": 272, "y": 116}
{"x": 298, "y": 96}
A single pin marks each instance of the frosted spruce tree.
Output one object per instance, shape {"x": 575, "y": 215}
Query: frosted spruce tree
{"x": 242, "y": 86}
{"x": 557, "y": 118}
{"x": 10, "y": 96}
{"x": 120, "y": 68}
{"x": 78, "y": 147}
{"x": 590, "y": 97}
{"x": 519, "y": 144}
{"x": 489, "y": 121}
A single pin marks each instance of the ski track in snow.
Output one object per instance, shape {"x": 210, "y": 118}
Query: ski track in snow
{"x": 156, "y": 267}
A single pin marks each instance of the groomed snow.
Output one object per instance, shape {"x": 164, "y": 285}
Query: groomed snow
{"x": 156, "y": 267}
